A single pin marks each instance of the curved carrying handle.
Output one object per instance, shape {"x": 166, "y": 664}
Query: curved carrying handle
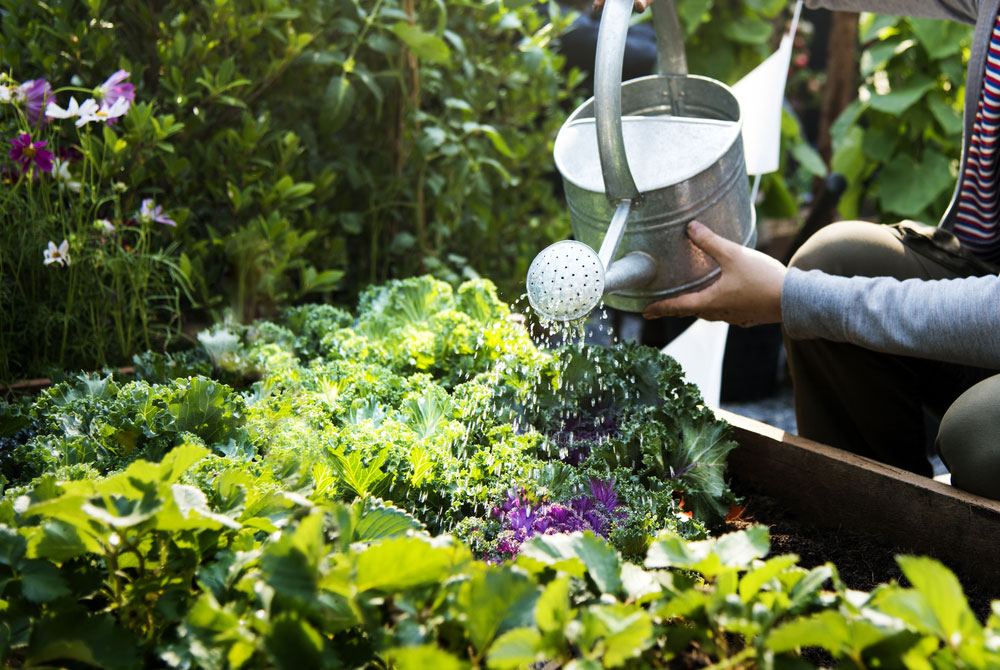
{"x": 619, "y": 184}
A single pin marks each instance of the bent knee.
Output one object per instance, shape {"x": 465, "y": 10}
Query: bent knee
{"x": 969, "y": 439}
{"x": 847, "y": 248}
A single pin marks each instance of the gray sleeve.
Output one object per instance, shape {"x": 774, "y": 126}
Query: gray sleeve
{"x": 965, "y": 11}
{"x": 955, "y": 320}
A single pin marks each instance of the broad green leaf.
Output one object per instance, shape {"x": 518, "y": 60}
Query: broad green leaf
{"x": 848, "y": 155}
{"x": 383, "y": 521}
{"x": 900, "y": 99}
{"x": 425, "y": 46}
{"x": 944, "y": 594}
{"x": 809, "y": 159}
{"x": 553, "y": 612}
{"x": 188, "y": 510}
{"x": 881, "y": 52}
{"x": 806, "y": 589}
{"x": 406, "y": 562}
{"x": 941, "y": 39}
{"x": 827, "y": 629}
{"x": 424, "y": 657}
{"x": 946, "y": 115}
{"x": 748, "y": 30}
{"x": 517, "y": 648}
{"x": 880, "y": 143}
{"x": 741, "y": 548}
{"x": 359, "y": 478}
{"x": 638, "y": 584}
{"x": 177, "y": 461}
{"x": 558, "y": 551}
{"x": 692, "y": 13}
{"x": 294, "y": 644}
{"x": 493, "y": 599}
{"x": 876, "y": 26}
{"x": 845, "y": 124}
{"x": 499, "y": 143}
{"x": 623, "y": 631}
{"x": 41, "y": 582}
{"x": 671, "y": 550}
{"x": 290, "y": 565}
{"x": 754, "y": 580}
{"x": 12, "y": 547}
{"x": 120, "y": 512}
{"x": 906, "y": 188}
{"x": 95, "y": 640}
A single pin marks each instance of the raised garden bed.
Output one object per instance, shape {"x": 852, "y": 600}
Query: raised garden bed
{"x": 825, "y": 504}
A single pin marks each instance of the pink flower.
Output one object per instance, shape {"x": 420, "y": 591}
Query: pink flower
{"x": 115, "y": 88}
{"x": 36, "y": 93}
{"x": 25, "y": 152}
{"x": 150, "y": 211}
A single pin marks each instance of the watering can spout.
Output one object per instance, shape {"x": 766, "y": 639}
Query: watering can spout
{"x": 632, "y": 271}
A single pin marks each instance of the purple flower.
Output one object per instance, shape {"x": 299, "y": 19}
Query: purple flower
{"x": 150, "y": 211}
{"x": 36, "y": 93}
{"x": 115, "y": 87}
{"x": 25, "y": 153}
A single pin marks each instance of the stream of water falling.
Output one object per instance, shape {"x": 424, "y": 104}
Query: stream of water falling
{"x": 563, "y": 340}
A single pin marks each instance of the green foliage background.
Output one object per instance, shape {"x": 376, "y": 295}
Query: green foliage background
{"x": 327, "y": 144}
{"x": 324, "y": 145}
{"x": 900, "y": 142}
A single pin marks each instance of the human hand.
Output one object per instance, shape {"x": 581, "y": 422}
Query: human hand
{"x": 638, "y": 5}
{"x": 747, "y": 293}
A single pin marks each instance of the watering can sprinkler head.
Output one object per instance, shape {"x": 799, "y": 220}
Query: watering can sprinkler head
{"x": 565, "y": 281}
{"x": 568, "y": 279}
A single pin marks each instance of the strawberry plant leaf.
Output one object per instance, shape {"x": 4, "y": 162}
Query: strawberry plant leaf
{"x": 41, "y": 582}
{"x": 494, "y": 599}
{"x": 424, "y": 656}
{"x": 517, "y": 648}
{"x": 407, "y": 562}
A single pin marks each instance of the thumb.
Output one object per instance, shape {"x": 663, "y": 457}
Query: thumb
{"x": 716, "y": 246}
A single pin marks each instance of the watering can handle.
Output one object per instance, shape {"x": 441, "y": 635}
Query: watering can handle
{"x": 619, "y": 184}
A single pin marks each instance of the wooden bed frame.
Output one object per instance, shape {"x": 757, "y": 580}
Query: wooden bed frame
{"x": 837, "y": 489}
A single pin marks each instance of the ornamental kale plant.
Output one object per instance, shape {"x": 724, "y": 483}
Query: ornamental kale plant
{"x": 88, "y": 264}
{"x": 432, "y": 399}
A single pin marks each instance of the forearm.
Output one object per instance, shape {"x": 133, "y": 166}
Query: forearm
{"x": 955, "y": 320}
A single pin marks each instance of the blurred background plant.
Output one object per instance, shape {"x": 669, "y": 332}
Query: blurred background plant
{"x": 88, "y": 272}
{"x": 899, "y": 143}
{"x": 317, "y": 147}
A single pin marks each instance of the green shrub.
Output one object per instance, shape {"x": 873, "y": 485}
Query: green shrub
{"x": 899, "y": 143}
{"x": 328, "y": 143}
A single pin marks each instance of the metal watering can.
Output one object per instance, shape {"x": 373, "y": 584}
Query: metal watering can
{"x": 670, "y": 150}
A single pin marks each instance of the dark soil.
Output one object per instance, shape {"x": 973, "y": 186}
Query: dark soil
{"x": 863, "y": 561}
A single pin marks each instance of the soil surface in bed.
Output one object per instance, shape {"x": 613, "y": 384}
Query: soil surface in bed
{"x": 863, "y": 561}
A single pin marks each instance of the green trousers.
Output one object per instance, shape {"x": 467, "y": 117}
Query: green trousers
{"x": 882, "y": 405}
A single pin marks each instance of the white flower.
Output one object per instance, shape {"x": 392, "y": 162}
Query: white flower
{"x": 105, "y": 225}
{"x": 54, "y": 111}
{"x": 5, "y": 93}
{"x": 58, "y": 254}
{"x": 91, "y": 111}
{"x": 60, "y": 170}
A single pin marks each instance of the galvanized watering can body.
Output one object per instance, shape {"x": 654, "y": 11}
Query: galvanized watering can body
{"x": 670, "y": 150}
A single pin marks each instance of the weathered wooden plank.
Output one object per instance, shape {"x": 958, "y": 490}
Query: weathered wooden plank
{"x": 837, "y": 489}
